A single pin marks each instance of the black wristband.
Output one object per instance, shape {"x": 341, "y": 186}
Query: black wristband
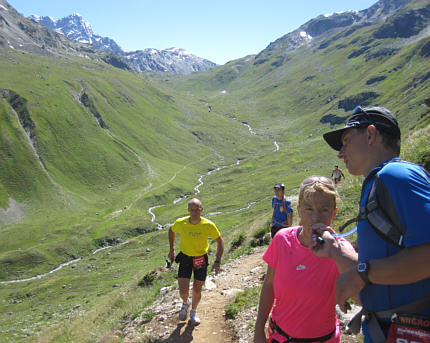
{"x": 217, "y": 261}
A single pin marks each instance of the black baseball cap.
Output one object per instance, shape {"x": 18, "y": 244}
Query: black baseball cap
{"x": 379, "y": 116}
{"x": 279, "y": 185}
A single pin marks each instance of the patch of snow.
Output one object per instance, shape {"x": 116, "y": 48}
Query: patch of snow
{"x": 223, "y": 92}
{"x": 3, "y": 8}
{"x": 341, "y": 12}
{"x": 304, "y": 34}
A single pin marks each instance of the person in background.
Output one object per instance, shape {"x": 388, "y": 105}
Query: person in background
{"x": 282, "y": 211}
{"x": 194, "y": 232}
{"x": 390, "y": 279}
{"x": 337, "y": 174}
{"x": 299, "y": 286}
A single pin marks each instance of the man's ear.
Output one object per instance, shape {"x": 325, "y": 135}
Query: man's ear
{"x": 371, "y": 133}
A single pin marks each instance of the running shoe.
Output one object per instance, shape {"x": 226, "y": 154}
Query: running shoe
{"x": 195, "y": 320}
{"x": 184, "y": 310}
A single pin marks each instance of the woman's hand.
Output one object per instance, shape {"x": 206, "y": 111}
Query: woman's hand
{"x": 348, "y": 285}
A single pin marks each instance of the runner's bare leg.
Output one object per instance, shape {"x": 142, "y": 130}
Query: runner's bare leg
{"x": 197, "y": 293}
{"x": 184, "y": 288}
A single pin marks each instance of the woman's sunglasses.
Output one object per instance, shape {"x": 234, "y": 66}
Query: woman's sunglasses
{"x": 315, "y": 179}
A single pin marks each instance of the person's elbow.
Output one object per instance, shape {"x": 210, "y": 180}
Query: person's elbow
{"x": 220, "y": 242}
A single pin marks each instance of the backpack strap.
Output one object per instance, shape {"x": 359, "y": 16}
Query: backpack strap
{"x": 382, "y": 214}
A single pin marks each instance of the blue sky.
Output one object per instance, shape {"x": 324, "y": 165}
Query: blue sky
{"x": 219, "y": 30}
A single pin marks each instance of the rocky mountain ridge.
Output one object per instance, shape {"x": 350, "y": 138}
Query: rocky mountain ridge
{"x": 315, "y": 30}
{"x": 173, "y": 60}
{"x": 19, "y": 33}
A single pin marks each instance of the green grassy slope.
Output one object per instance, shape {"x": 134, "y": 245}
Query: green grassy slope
{"x": 125, "y": 143}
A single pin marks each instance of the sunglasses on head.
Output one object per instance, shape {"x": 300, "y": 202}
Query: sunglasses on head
{"x": 358, "y": 110}
{"x": 315, "y": 179}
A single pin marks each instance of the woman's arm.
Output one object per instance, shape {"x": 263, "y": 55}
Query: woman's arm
{"x": 265, "y": 304}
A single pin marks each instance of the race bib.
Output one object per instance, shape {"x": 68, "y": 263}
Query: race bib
{"x": 199, "y": 261}
{"x": 409, "y": 329}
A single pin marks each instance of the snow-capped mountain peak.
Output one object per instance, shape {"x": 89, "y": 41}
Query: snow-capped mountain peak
{"x": 174, "y": 60}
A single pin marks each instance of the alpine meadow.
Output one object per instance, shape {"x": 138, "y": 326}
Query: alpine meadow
{"x": 98, "y": 159}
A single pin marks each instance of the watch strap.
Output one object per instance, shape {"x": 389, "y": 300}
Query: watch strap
{"x": 363, "y": 271}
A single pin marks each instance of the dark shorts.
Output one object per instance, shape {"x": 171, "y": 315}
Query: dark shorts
{"x": 274, "y": 229}
{"x": 186, "y": 267}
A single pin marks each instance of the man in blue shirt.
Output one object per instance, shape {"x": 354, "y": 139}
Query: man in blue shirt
{"x": 282, "y": 210}
{"x": 386, "y": 277}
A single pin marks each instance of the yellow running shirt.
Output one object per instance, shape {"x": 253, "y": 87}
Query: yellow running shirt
{"x": 194, "y": 237}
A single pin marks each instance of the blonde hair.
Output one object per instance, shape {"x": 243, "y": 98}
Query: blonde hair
{"x": 317, "y": 184}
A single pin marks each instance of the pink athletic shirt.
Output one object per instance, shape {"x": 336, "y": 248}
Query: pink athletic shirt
{"x": 304, "y": 288}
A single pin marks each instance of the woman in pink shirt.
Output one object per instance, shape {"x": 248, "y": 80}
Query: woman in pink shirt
{"x": 299, "y": 286}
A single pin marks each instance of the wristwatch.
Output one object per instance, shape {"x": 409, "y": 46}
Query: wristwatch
{"x": 363, "y": 271}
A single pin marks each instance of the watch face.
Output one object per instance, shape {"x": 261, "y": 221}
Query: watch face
{"x": 362, "y": 267}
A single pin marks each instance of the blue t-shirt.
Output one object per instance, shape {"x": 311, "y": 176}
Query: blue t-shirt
{"x": 280, "y": 210}
{"x": 409, "y": 188}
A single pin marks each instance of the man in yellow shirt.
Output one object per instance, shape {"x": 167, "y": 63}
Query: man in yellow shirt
{"x": 194, "y": 231}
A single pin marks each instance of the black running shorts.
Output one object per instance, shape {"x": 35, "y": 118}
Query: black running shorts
{"x": 186, "y": 267}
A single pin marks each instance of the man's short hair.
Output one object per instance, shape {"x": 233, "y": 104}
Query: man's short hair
{"x": 390, "y": 142}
